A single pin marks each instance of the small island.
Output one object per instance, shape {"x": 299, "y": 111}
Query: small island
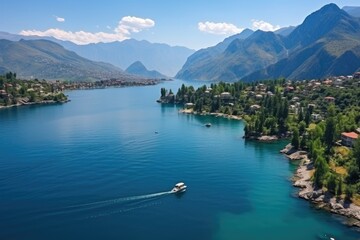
{"x": 321, "y": 119}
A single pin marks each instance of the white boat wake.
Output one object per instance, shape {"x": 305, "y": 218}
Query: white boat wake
{"x": 120, "y": 200}
{"x": 126, "y": 204}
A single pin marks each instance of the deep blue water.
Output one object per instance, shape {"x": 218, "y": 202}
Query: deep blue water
{"x": 93, "y": 168}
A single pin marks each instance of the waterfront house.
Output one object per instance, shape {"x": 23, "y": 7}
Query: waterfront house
{"x": 348, "y": 138}
{"x": 189, "y": 105}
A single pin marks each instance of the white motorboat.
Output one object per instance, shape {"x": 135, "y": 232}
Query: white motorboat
{"x": 179, "y": 187}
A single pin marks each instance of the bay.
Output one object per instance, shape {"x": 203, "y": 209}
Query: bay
{"x": 101, "y": 166}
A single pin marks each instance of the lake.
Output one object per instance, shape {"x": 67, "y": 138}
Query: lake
{"x": 102, "y": 165}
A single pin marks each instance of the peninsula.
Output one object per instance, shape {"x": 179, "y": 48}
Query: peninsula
{"x": 321, "y": 118}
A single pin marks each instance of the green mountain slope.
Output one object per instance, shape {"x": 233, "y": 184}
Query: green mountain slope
{"x": 198, "y": 65}
{"x": 333, "y": 50}
{"x": 241, "y": 57}
{"x": 325, "y": 44}
{"x": 48, "y": 60}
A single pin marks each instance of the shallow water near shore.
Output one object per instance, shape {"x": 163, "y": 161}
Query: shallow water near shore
{"x": 101, "y": 166}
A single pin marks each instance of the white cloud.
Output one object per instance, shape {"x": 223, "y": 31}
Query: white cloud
{"x": 80, "y": 37}
{"x": 126, "y": 26}
{"x": 133, "y": 24}
{"x": 60, "y": 19}
{"x": 264, "y": 26}
{"x": 219, "y": 28}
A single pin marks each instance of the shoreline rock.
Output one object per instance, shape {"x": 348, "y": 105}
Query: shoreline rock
{"x": 321, "y": 199}
{"x": 191, "y": 111}
{"x": 34, "y": 103}
{"x": 266, "y": 138}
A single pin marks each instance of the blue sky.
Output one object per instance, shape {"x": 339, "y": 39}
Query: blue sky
{"x": 195, "y": 24}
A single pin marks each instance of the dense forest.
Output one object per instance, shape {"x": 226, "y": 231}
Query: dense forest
{"x": 311, "y": 114}
{"x": 21, "y": 92}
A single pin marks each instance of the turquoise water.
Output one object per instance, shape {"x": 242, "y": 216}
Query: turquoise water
{"x": 95, "y": 168}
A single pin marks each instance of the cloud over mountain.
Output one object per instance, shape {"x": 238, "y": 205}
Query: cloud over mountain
{"x": 127, "y": 25}
{"x": 219, "y": 28}
{"x": 264, "y": 26}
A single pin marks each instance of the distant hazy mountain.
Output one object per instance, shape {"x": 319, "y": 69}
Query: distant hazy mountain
{"x": 158, "y": 56}
{"x": 45, "y": 59}
{"x": 285, "y": 31}
{"x": 161, "y": 57}
{"x": 326, "y": 43}
{"x": 353, "y": 11}
{"x": 137, "y": 68}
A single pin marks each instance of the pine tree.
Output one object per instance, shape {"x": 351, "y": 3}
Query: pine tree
{"x": 321, "y": 168}
{"x": 339, "y": 188}
{"x": 295, "y": 139}
{"x": 330, "y": 128}
{"x": 331, "y": 183}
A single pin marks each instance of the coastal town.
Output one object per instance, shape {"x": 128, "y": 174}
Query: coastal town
{"x": 18, "y": 92}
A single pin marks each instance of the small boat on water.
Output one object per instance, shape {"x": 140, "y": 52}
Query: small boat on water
{"x": 208, "y": 124}
{"x": 179, "y": 187}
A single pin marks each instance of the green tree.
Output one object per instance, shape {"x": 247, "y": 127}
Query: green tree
{"x": 321, "y": 168}
{"x": 356, "y": 152}
{"x": 163, "y": 92}
{"x": 302, "y": 127}
{"x": 353, "y": 174}
{"x": 349, "y": 192}
{"x": 303, "y": 142}
{"x": 295, "y": 142}
{"x": 339, "y": 187}
{"x": 301, "y": 115}
{"x": 331, "y": 183}
{"x": 330, "y": 128}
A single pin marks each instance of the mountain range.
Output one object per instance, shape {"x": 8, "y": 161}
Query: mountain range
{"x": 44, "y": 59}
{"x": 161, "y": 57}
{"x": 326, "y": 43}
{"x": 138, "y": 68}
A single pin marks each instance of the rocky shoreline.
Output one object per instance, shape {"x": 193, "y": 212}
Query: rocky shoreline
{"x": 321, "y": 199}
{"x": 34, "y": 103}
{"x": 191, "y": 111}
